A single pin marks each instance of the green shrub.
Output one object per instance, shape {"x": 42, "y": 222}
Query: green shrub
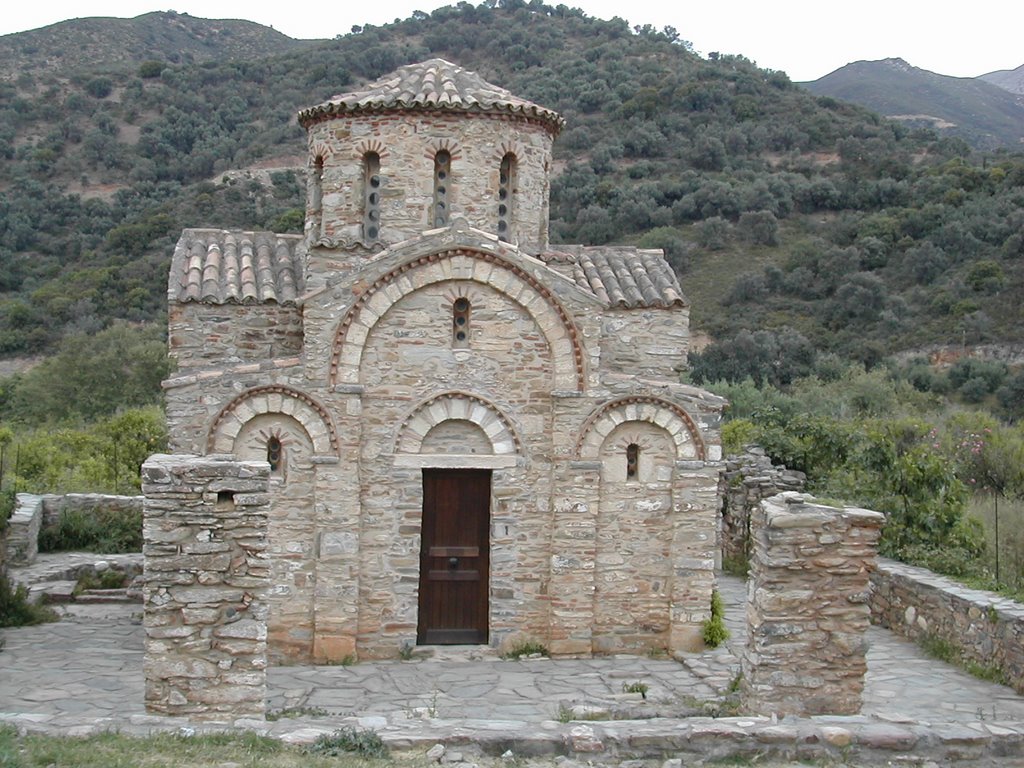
{"x": 715, "y": 632}
{"x": 525, "y": 648}
{"x": 106, "y": 531}
{"x": 17, "y": 611}
{"x": 348, "y": 740}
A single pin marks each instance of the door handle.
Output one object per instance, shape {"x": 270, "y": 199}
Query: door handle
{"x": 453, "y": 562}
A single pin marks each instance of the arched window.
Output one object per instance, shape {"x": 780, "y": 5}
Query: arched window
{"x": 460, "y": 322}
{"x": 442, "y": 172}
{"x": 506, "y": 193}
{"x": 275, "y": 455}
{"x": 632, "y": 461}
{"x": 371, "y": 196}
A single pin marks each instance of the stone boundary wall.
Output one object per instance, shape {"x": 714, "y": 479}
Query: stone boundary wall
{"x": 22, "y": 534}
{"x": 749, "y": 478}
{"x": 54, "y": 505}
{"x": 807, "y": 610}
{"x": 33, "y": 513}
{"x": 916, "y": 603}
{"x": 206, "y": 575}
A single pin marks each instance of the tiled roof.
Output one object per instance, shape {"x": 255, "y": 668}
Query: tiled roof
{"x": 434, "y": 84}
{"x": 623, "y": 276}
{"x": 216, "y": 266}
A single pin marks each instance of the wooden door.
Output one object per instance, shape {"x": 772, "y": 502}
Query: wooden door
{"x": 454, "y": 557}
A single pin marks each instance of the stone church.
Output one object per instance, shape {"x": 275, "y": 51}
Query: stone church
{"x": 474, "y": 437}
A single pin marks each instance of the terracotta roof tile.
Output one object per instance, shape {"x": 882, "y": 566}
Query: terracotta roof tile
{"x": 623, "y": 276}
{"x": 217, "y": 266}
{"x": 434, "y": 84}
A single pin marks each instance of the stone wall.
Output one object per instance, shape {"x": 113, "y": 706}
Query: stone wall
{"x": 34, "y": 514}
{"x": 206, "y": 575}
{"x": 749, "y": 478}
{"x": 406, "y": 144}
{"x": 916, "y": 603}
{"x": 202, "y": 335}
{"x": 22, "y": 533}
{"x": 808, "y": 607}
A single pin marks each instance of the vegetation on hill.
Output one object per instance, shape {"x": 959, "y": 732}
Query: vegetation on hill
{"x": 977, "y": 110}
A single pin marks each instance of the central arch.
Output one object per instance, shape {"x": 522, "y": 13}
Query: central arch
{"x": 462, "y": 264}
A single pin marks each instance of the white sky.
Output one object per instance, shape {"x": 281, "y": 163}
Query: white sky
{"x": 805, "y": 38}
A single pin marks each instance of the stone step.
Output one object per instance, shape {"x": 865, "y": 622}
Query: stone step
{"x": 106, "y": 596}
{"x": 58, "y": 591}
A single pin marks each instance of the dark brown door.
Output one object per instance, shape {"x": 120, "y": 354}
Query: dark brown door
{"x": 454, "y": 558}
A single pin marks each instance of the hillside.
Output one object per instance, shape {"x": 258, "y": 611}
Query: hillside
{"x": 1010, "y": 79}
{"x": 983, "y": 114}
{"x": 779, "y": 208}
{"x": 81, "y": 45}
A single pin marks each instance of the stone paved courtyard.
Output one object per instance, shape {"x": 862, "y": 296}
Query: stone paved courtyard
{"x": 90, "y": 666}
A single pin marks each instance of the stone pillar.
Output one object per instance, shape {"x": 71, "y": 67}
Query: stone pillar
{"x": 206, "y": 573}
{"x": 808, "y": 608}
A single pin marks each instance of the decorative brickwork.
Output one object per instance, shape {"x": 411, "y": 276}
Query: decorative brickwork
{"x": 808, "y": 610}
{"x": 205, "y": 581}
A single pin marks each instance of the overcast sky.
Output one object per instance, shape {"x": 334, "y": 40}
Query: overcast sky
{"x": 805, "y": 38}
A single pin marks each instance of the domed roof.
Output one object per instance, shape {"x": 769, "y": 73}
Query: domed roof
{"x": 431, "y": 85}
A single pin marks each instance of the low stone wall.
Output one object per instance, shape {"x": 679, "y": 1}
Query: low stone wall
{"x": 206, "y": 576}
{"x": 22, "y": 534}
{"x": 749, "y": 478}
{"x": 55, "y": 505}
{"x": 34, "y": 513}
{"x": 807, "y": 610}
{"x": 916, "y": 603}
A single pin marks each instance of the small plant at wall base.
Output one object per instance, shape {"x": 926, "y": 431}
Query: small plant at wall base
{"x": 349, "y": 741}
{"x": 715, "y": 632}
{"x": 525, "y": 649}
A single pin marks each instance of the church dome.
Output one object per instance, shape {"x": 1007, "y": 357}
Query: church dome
{"x": 433, "y": 85}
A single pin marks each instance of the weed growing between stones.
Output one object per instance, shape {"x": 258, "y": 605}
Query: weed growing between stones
{"x": 292, "y": 712}
{"x": 349, "y": 740}
{"x": 637, "y": 687}
{"x": 525, "y": 649}
{"x": 405, "y": 653}
{"x": 715, "y": 632}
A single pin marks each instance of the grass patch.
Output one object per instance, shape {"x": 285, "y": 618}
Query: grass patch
{"x": 944, "y": 650}
{"x": 293, "y": 712}
{"x": 163, "y": 750}
{"x": 108, "y": 579}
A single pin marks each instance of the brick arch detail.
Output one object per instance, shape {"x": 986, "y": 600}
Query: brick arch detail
{"x": 667, "y": 415}
{"x": 462, "y": 264}
{"x": 273, "y": 399}
{"x": 461, "y": 406}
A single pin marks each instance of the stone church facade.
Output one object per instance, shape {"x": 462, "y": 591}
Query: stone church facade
{"x": 474, "y": 437}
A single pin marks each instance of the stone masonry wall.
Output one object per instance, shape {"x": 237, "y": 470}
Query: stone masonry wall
{"x": 34, "y": 513}
{"x": 406, "y": 144}
{"x": 808, "y": 607}
{"x": 749, "y": 478}
{"x": 987, "y": 629}
{"x": 206, "y": 574}
{"x": 21, "y": 543}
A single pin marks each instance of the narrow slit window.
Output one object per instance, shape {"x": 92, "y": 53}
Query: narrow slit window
{"x": 274, "y": 455}
{"x": 371, "y": 196}
{"x": 316, "y": 193}
{"x": 632, "y": 461}
{"x": 442, "y": 178}
{"x": 460, "y": 322}
{"x": 506, "y": 195}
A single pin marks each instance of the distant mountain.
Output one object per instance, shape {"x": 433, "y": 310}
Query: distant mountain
{"x": 111, "y": 43}
{"x": 987, "y": 116}
{"x": 1010, "y": 79}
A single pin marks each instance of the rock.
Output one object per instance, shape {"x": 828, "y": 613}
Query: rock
{"x": 436, "y": 752}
